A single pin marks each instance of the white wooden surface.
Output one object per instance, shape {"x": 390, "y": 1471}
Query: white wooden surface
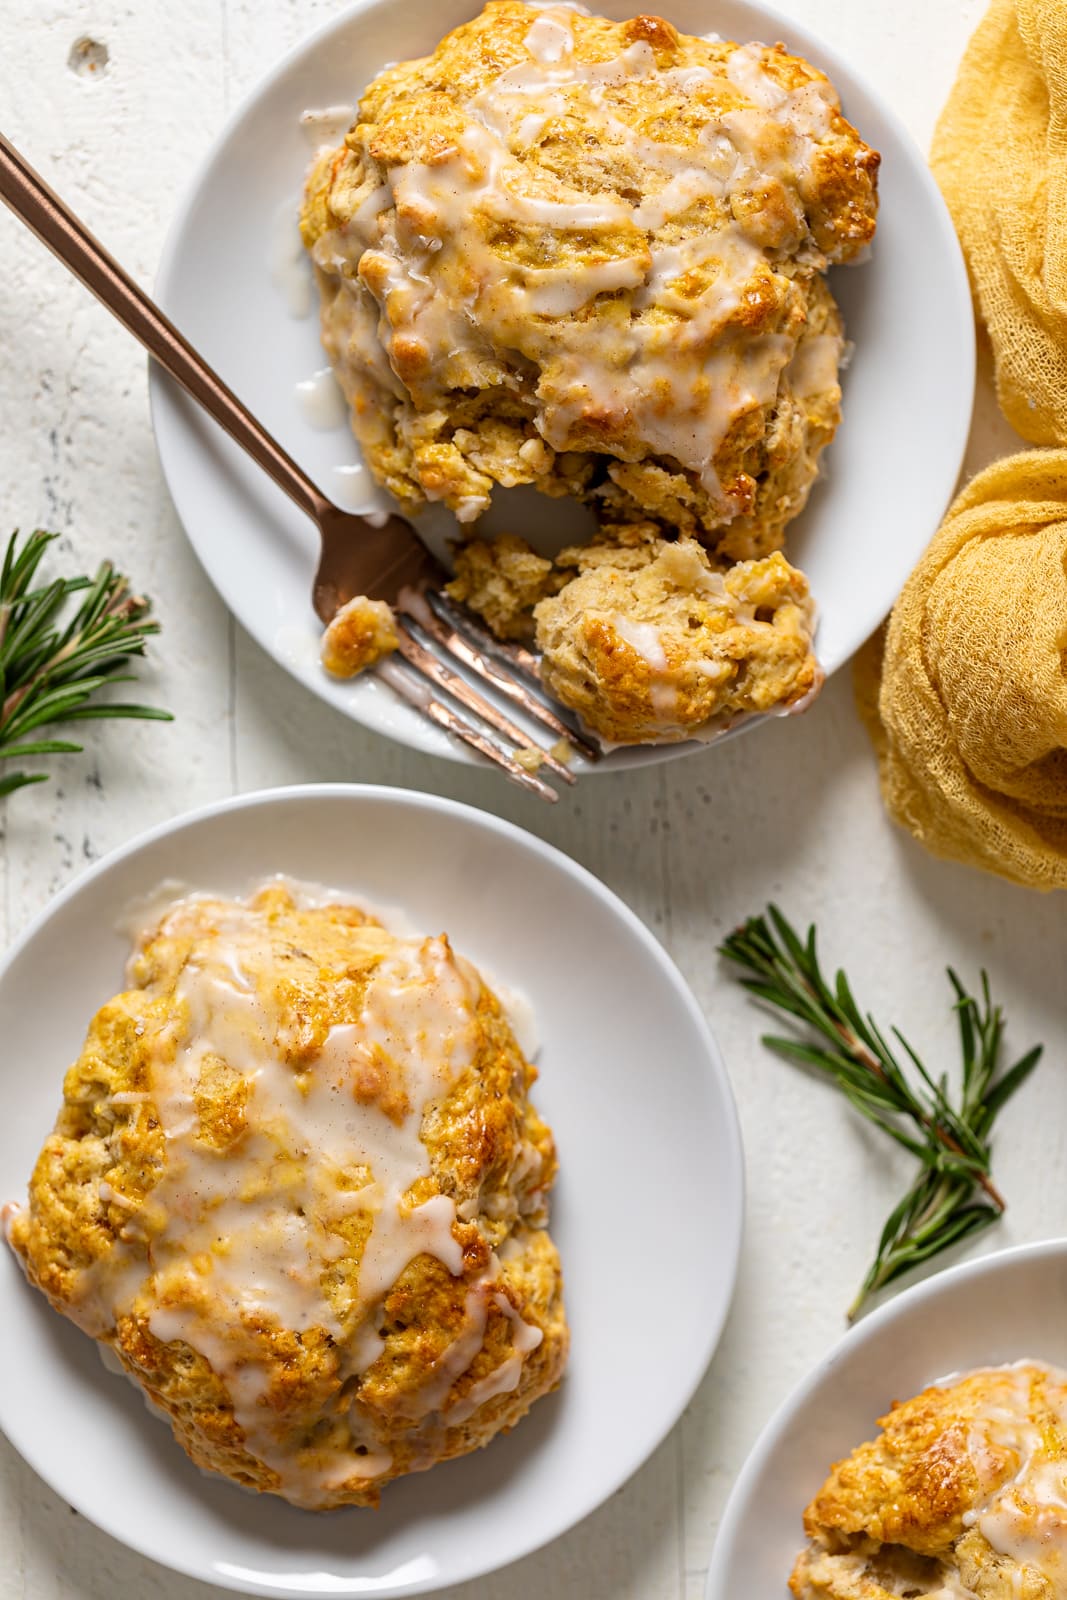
{"x": 791, "y": 812}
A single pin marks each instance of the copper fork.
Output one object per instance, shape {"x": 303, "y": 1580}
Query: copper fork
{"x": 377, "y": 555}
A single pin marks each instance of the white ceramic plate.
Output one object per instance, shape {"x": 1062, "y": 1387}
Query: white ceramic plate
{"x": 1002, "y": 1308}
{"x": 650, "y": 1193}
{"x": 889, "y": 474}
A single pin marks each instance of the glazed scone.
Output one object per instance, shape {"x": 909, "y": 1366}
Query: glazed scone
{"x": 588, "y": 255}
{"x": 669, "y": 649}
{"x": 963, "y": 1496}
{"x": 298, "y": 1188}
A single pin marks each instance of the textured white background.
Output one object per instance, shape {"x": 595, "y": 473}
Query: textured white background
{"x": 790, "y": 812}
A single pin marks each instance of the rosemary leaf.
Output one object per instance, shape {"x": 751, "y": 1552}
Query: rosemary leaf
{"x": 20, "y": 780}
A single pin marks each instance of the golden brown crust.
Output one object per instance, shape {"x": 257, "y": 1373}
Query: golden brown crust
{"x": 644, "y": 638}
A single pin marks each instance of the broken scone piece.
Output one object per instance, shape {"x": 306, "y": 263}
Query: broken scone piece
{"x": 502, "y": 581}
{"x": 661, "y": 650}
{"x": 963, "y": 1496}
{"x": 647, "y": 641}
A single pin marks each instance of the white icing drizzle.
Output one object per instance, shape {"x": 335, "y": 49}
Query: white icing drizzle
{"x": 680, "y": 564}
{"x": 350, "y": 487}
{"x": 410, "y": 273}
{"x": 230, "y": 1242}
{"x": 505, "y": 1378}
{"x": 550, "y": 39}
{"x": 642, "y": 637}
{"x": 804, "y": 114}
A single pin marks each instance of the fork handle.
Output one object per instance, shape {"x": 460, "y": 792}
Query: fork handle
{"x": 46, "y": 215}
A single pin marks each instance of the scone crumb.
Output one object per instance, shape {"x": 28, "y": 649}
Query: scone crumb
{"x": 361, "y": 633}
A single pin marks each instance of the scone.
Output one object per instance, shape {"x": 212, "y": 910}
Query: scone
{"x": 588, "y": 256}
{"x": 298, "y": 1188}
{"x": 963, "y": 1496}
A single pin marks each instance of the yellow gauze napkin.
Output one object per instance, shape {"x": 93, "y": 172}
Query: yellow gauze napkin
{"x": 1000, "y": 156}
{"x": 965, "y": 692}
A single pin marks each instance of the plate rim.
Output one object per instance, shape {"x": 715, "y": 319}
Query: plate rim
{"x": 713, "y": 1064}
{"x": 938, "y": 1285}
{"x": 964, "y": 339}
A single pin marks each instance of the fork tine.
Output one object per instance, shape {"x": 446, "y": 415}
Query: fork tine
{"x": 457, "y": 616}
{"x": 465, "y": 640}
{"x": 415, "y": 690}
{"x": 439, "y": 673}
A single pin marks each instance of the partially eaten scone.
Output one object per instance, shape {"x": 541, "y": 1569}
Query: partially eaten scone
{"x": 963, "y": 1496}
{"x": 590, "y": 256}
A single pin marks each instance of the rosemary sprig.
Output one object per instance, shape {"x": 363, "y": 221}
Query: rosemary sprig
{"x": 948, "y": 1133}
{"x": 51, "y": 670}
